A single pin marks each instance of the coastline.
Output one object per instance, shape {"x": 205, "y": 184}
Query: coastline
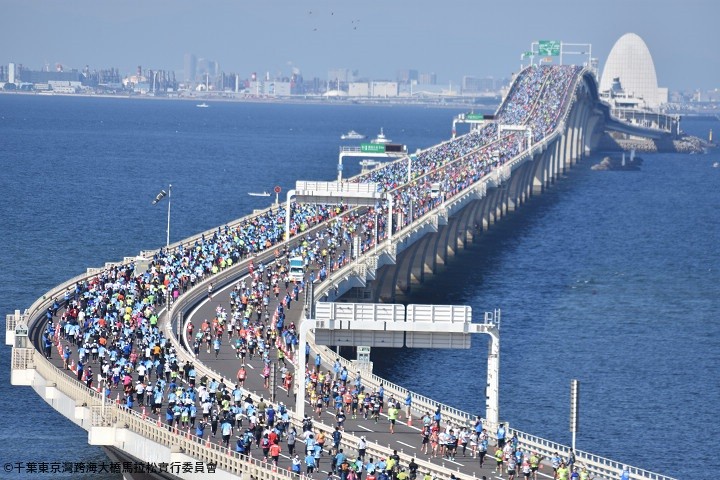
{"x": 441, "y": 102}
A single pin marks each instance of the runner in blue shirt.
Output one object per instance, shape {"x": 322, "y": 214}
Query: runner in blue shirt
{"x": 216, "y": 346}
{"x": 501, "y": 435}
{"x": 226, "y": 430}
{"x": 200, "y": 430}
{"x": 310, "y": 463}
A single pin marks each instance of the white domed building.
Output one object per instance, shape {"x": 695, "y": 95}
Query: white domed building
{"x": 629, "y": 75}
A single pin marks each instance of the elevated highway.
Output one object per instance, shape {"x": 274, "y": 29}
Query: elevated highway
{"x": 481, "y": 178}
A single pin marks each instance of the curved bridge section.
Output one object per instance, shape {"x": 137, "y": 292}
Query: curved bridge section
{"x": 563, "y": 123}
{"x": 456, "y": 190}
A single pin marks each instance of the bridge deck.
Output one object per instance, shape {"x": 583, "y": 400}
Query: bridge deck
{"x": 406, "y": 439}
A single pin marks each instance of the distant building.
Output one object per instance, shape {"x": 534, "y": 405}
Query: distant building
{"x": 278, "y": 89}
{"x": 407, "y": 76}
{"x": 208, "y": 71}
{"x": 629, "y": 75}
{"x": 62, "y": 86}
{"x": 384, "y": 89}
{"x": 190, "y": 68}
{"x": 427, "y": 79}
{"x": 340, "y": 75}
{"x": 35, "y": 76}
{"x": 359, "y": 89}
{"x": 479, "y": 85}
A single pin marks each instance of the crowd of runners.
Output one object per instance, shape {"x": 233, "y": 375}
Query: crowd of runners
{"x": 110, "y": 321}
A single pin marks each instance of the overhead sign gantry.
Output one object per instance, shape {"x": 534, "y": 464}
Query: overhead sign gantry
{"x": 383, "y": 150}
{"x": 354, "y": 194}
{"x": 474, "y": 119}
{"x": 395, "y": 326}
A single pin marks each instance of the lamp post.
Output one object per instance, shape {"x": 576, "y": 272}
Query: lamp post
{"x": 158, "y": 198}
{"x": 167, "y": 239}
{"x": 375, "y": 232}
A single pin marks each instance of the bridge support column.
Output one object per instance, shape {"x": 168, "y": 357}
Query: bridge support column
{"x": 465, "y": 225}
{"x": 417, "y": 267}
{"x": 526, "y": 191}
{"x": 440, "y": 249}
{"x": 556, "y": 162}
{"x": 490, "y": 215}
{"x": 586, "y": 112}
{"x": 572, "y": 126}
{"x": 429, "y": 258}
{"x": 450, "y": 233}
{"x": 503, "y": 201}
{"x": 513, "y": 189}
{"x": 542, "y": 171}
{"x": 476, "y": 219}
{"x": 564, "y": 164}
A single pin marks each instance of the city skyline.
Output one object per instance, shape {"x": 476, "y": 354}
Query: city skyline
{"x": 373, "y": 37}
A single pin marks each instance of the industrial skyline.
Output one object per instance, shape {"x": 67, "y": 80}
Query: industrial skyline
{"x": 375, "y": 38}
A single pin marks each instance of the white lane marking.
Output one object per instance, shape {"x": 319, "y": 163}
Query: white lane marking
{"x": 365, "y": 428}
{"x": 406, "y": 444}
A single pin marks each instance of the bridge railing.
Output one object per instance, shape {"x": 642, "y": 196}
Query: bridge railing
{"x": 421, "y": 403}
{"x": 349, "y": 442}
{"x": 597, "y": 464}
{"x": 113, "y": 415}
{"x": 180, "y": 441}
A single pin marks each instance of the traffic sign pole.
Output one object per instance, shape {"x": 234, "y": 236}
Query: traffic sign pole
{"x": 277, "y": 191}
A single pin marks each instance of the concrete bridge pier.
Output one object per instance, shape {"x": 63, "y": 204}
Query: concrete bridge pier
{"x": 421, "y": 266}
{"x": 543, "y": 170}
{"x": 452, "y": 230}
{"x": 569, "y": 140}
{"x": 489, "y": 209}
{"x": 475, "y": 229}
{"x": 518, "y": 186}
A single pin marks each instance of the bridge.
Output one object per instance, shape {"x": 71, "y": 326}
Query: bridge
{"x": 427, "y": 208}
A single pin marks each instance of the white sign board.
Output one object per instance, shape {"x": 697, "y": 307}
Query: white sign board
{"x": 439, "y": 313}
{"x": 21, "y": 330}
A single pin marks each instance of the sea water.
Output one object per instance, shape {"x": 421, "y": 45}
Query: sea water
{"x": 610, "y": 278}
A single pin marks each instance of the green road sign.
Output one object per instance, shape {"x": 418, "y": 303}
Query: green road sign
{"x": 473, "y": 116}
{"x": 549, "y": 48}
{"x": 528, "y": 54}
{"x": 372, "y": 148}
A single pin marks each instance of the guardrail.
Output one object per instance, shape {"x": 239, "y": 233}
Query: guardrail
{"x": 349, "y": 442}
{"x": 420, "y": 403}
{"x": 596, "y": 464}
{"x": 112, "y": 415}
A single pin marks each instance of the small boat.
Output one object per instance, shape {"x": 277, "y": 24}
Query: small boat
{"x": 202, "y": 105}
{"x": 381, "y": 138}
{"x": 259, "y": 194}
{"x": 352, "y": 135}
{"x": 716, "y": 165}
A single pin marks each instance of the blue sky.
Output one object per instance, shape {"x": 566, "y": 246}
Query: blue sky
{"x": 451, "y": 38}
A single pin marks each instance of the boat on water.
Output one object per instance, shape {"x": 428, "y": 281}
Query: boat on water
{"x": 381, "y": 138}
{"x": 259, "y": 194}
{"x": 202, "y": 105}
{"x": 352, "y": 135}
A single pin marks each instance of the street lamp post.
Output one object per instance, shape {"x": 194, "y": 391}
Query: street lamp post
{"x": 158, "y": 198}
{"x": 167, "y": 240}
{"x": 375, "y": 232}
